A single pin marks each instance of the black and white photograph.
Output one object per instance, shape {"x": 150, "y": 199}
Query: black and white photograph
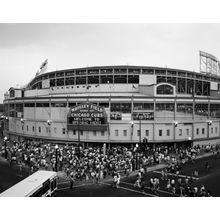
{"x": 110, "y": 110}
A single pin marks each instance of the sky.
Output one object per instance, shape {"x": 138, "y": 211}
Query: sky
{"x": 23, "y": 47}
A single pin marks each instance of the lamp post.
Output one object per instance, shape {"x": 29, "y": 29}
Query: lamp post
{"x": 5, "y": 140}
{"x": 140, "y": 118}
{"x": 56, "y": 149}
{"x": 78, "y": 130}
{"x": 132, "y": 128}
{"x": 49, "y": 126}
{"x": 208, "y": 127}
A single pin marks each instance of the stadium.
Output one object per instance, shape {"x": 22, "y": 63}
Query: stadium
{"x": 116, "y": 105}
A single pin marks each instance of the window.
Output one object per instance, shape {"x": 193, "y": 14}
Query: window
{"x": 104, "y": 105}
{"x": 27, "y": 127}
{"x": 160, "y": 132}
{"x": 74, "y": 132}
{"x": 212, "y": 130}
{"x": 94, "y": 133}
{"x": 143, "y": 106}
{"x": 216, "y": 130}
{"x": 63, "y": 130}
{"x": 116, "y": 132}
{"x": 61, "y": 104}
{"x": 185, "y": 108}
{"x": 33, "y": 128}
{"x": 180, "y": 132}
{"x": 215, "y": 110}
{"x": 102, "y": 133}
{"x": 55, "y": 130}
{"x": 81, "y": 132}
{"x": 47, "y": 130}
{"x": 146, "y": 132}
{"x": 138, "y": 133}
{"x": 197, "y": 131}
{"x": 125, "y": 132}
{"x": 164, "y": 107}
{"x": 168, "y": 132}
{"x": 201, "y": 109}
{"x": 42, "y": 105}
{"x": 203, "y": 130}
{"x": 165, "y": 90}
{"x": 187, "y": 131}
{"x": 39, "y": 129}
{"x": 121, "y": 107}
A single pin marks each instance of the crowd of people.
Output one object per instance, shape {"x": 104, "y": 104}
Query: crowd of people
{"x": 173, "y": 184}
{"x": 95, "y": 163}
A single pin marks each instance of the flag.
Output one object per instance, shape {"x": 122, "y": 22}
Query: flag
{"x": 43, "y": 68}
{"x": 44, "y": 64}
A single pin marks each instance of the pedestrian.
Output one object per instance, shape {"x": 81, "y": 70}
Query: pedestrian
{"x": 142, "y": 184}
{"x": 118, "y": 180}
{"x": 71, "y": 180}
{"x": 115, "y": 179}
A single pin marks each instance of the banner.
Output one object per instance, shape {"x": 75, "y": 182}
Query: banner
{"x": 143, "y": 116}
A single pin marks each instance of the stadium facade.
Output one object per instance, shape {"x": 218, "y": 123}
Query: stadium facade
{"x": 116, "y": 105}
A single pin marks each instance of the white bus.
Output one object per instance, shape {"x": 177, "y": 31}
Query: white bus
{"x": 40, "y": 184}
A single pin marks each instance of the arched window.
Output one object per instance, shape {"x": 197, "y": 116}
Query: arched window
{"x": 165, "y": 90}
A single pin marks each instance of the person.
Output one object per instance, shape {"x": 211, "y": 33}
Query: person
{"x": 142, "y": 184}
{"x": 195, "y": 191}
{"x": 151, "y": 183}
{"x": 97, "y": 177}
{"x": 67, "y": 172}
{"x": 202, "y": 191}
{"x": 162, "y": 174}
{"x": 207, "y": 166}
{"x": 168, "y": 186}
{"x": 93, "y": 176}
{"x": 137, "y": 182}
{"x": 71, "y": 180}
{"x": 118, "y": 180}
{"x": 115, "y": 180}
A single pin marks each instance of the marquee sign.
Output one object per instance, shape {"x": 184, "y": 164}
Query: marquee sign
{"x": 87, "y": 116}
